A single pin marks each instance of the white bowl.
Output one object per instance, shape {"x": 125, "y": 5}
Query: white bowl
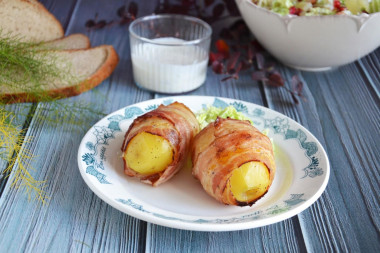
{"x": 313, "y": 43}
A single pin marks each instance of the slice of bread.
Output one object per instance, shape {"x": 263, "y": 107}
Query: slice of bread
{"x": 73, "y": 41}
{"x": 89, "y": 67}
{"x": 29, "y": 20}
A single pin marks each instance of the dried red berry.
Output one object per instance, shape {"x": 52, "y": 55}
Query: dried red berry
{"x": 90, "y": 23}
{"x": 211, "y": 58}
{"x": 275, "y": 79}
{"x": 216, "y": 57}
{"x": 338, "y": 6}
{"x": 218, "y": 67}
{"x": 295, "y": 11}
{"x": 222, "y": 47}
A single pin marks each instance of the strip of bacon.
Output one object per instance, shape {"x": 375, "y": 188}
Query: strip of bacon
{"x": 177, "y": 124}
{"x": 224, "y": 146}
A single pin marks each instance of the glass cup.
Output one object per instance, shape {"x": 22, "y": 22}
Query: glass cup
{"x": 169, "y": 52}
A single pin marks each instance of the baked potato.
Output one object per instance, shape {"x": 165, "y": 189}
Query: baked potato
{"x": 157, "y": 143}
{"x": 233, "y": 161}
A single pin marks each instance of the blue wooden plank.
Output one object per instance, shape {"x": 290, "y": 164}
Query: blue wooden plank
{"x": 340, "y": 113}
{"x": 62, "y": 11}
{"x": 74, "y": 219}
{"x": 370, "y": 65}
{"x": 280, "y": 237}
{"x": 344, "y": 219}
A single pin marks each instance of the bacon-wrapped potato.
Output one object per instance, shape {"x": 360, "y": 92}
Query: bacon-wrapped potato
{"x": 157, "y": 143}
{"x": 233, "y": 161}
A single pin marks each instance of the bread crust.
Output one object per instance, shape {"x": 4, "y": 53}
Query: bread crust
{"x": 92, "y": 81}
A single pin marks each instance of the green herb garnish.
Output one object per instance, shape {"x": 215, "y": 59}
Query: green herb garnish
{"x": 29, "y": 69}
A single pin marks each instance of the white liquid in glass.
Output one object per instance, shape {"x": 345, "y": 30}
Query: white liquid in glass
{"x": 169, "y": 69}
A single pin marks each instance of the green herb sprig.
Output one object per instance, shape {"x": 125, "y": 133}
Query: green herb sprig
{"x": 28, "y": 68}
{"x": 12, "y": 138}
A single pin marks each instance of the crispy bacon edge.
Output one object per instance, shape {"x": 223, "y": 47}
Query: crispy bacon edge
{"x": 228, "y": 144}
{"x": 183, "y": 128}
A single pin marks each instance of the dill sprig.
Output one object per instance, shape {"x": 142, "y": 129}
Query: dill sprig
{"x": 63, "y": 114}
{"x": 27, "y": 68}
{"x": 76, "y": 115}
{"x": 32, "y": 69}
{"x": 12, "y": 139}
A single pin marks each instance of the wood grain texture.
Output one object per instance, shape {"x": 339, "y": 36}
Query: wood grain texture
{"x": 21, "y": 114}
{"x": 342, "y": 111}
{"x": 346, "y": 217}
{"x": 74, "y": 219}
{"x": 73, "y": 216}
{"x": 370, "y": 66}
{"x": 280, "y": 237}
{"x": 62, "y": 12}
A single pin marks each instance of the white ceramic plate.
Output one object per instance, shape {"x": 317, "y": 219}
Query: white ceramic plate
{"x": 301, "y": 177}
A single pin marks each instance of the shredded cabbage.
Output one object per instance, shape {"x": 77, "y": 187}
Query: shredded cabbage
{"x": 319, "y": 7}
{"x": 209, "y": 114}
{"x": 374, "y": 6}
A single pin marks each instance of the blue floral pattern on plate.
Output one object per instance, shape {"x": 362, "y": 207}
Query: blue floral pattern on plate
{"x": 104, "y": 134}
{"x": 280, "y": 126}
{"x": 277, "y": 209}
{"x": 93, "y": 157}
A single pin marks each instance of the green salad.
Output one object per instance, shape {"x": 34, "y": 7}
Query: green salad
{"x": 209, "y": 114}
{"x": 319, "y": 7}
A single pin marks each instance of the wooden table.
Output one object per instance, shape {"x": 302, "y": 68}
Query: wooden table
{"x": 342, "y": 111}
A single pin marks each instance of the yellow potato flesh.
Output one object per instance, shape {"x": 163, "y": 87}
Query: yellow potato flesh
{"x": 249, "y": 181}
{"x": 148, "y": 153}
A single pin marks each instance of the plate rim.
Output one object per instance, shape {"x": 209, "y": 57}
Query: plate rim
{"x": 178, "y": 224}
